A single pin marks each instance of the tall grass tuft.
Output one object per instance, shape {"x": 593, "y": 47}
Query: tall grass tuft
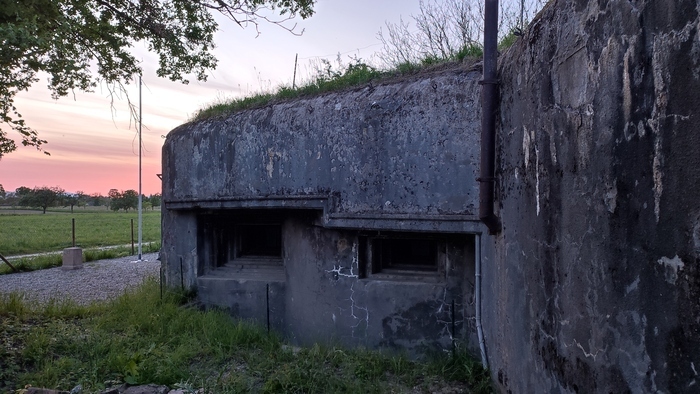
{"x": 143, "y": 338}
{"x": 328, "y": 78}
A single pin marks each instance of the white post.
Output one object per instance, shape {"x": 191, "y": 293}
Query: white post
{"x": 140, "y": 193}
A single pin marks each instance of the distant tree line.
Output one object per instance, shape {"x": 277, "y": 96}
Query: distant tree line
{"x": 47, "y": 197}
{"x": 129, "y": 199}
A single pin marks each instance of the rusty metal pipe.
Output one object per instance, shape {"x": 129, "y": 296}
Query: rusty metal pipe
{"x": 489, "y": 106}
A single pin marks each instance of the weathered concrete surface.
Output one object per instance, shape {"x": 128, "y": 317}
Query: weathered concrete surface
{"x": 408, "y": 147}
{"x": 328, "y": 299}
{"x": 334, "y": 170}
{"x": 596, "y": 281}
{"x": 179, "y": 258}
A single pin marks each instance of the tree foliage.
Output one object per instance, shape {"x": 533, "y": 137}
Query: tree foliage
{"x": 22, "y": 191}
{"x": 154, "y": 199}
{"x": 443, "y": 29}
{"x": 72, "y": 199}
{"x": 80, "y": 43}
{"x": 39, "y": 197}
{"x": 96, "y": 200}
{"x": 125, "y": 200}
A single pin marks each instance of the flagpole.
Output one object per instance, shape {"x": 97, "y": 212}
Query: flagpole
{"x": 140, "y": 193}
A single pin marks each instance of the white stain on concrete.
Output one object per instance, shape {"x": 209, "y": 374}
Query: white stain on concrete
{"x": 632, "y": 287}
{"x": 672, "y": 266}
{"x": 610, "y": 197}
{"x": 273, "y": 156}
{"x": 526, "y": 146}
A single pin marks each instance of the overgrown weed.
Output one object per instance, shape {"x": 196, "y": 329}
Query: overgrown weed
{"x": 143, "y": 338}
{"x": 328, "y": 77}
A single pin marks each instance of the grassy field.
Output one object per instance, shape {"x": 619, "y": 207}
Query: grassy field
{"x": 29, "y": 231}
{"x": 145, "y": 338}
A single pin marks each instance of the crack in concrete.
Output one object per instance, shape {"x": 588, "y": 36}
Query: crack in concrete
{"x": 353, "y": 306}
{"x": 338, "y": 269}
{"x": 445, "y": 307}
{"x": 585, "y": 353}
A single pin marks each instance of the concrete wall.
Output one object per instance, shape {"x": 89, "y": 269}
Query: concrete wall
{"x": 593, "y": 284}
{"x": 322, "y": 294}
{"x": 334, "y": 171}
{"x": 407, "y": 147}
{"x": 596, "y": 279}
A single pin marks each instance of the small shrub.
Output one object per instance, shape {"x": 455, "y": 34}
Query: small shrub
{"x": 507, "y": 41}
{"x": 470, "y": 51}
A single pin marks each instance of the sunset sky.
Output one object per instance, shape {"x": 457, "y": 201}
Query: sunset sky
{"x": 94, "y": 147}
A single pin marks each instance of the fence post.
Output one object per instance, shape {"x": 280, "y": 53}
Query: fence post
{"x": 132, "y": 237}
{"x": 8, "y": 263}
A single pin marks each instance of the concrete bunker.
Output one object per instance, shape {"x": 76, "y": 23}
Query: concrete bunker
{"x": 365, "y": 287}
{"x": 594, "y": 278}
{"x": 345, "y": 218}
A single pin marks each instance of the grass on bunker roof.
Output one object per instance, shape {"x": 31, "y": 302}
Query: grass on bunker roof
{"x": 356, "y": 73}
{"x": 326, "y": 78}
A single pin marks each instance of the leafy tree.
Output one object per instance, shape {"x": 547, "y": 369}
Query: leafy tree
{"x": 80, "y": 43}
{"x": 22, "y": 191}
{"x": 41, "y": 197}
{"x": 82, "y": 198}
{"x": 155, "y": 200}
{"x": 130, "y": 200}
{"x": 123, "y": 200}
{"x": 96, "y": 200}
{"x": 3, "y": 194}
{"x": 115, "y": 198}
{"x": 68, "y": 199}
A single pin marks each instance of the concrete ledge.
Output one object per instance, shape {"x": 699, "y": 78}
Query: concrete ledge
{"x": 72, "y": 258}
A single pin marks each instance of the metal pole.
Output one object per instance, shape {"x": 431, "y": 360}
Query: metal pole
{"x": 73, "y": 225}
{"x": 267, "y": 304}
{"x": 294, "y": 79}
{"x": 140, "y": 193}
{"x": 489, "y": 104}
{"x": 477, "y": 296}
{"x": 132, "y": 237}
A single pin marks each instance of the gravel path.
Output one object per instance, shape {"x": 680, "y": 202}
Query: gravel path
{"x": 96, "y": 281}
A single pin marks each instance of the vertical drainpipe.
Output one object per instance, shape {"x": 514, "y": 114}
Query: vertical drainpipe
{"x": 489, "y": 107}
{"x": 477, "y": 299}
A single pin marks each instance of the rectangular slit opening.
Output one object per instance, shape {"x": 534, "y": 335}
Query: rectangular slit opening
{"x": 258, "y": 241}
{"x": 394, "y": 255}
